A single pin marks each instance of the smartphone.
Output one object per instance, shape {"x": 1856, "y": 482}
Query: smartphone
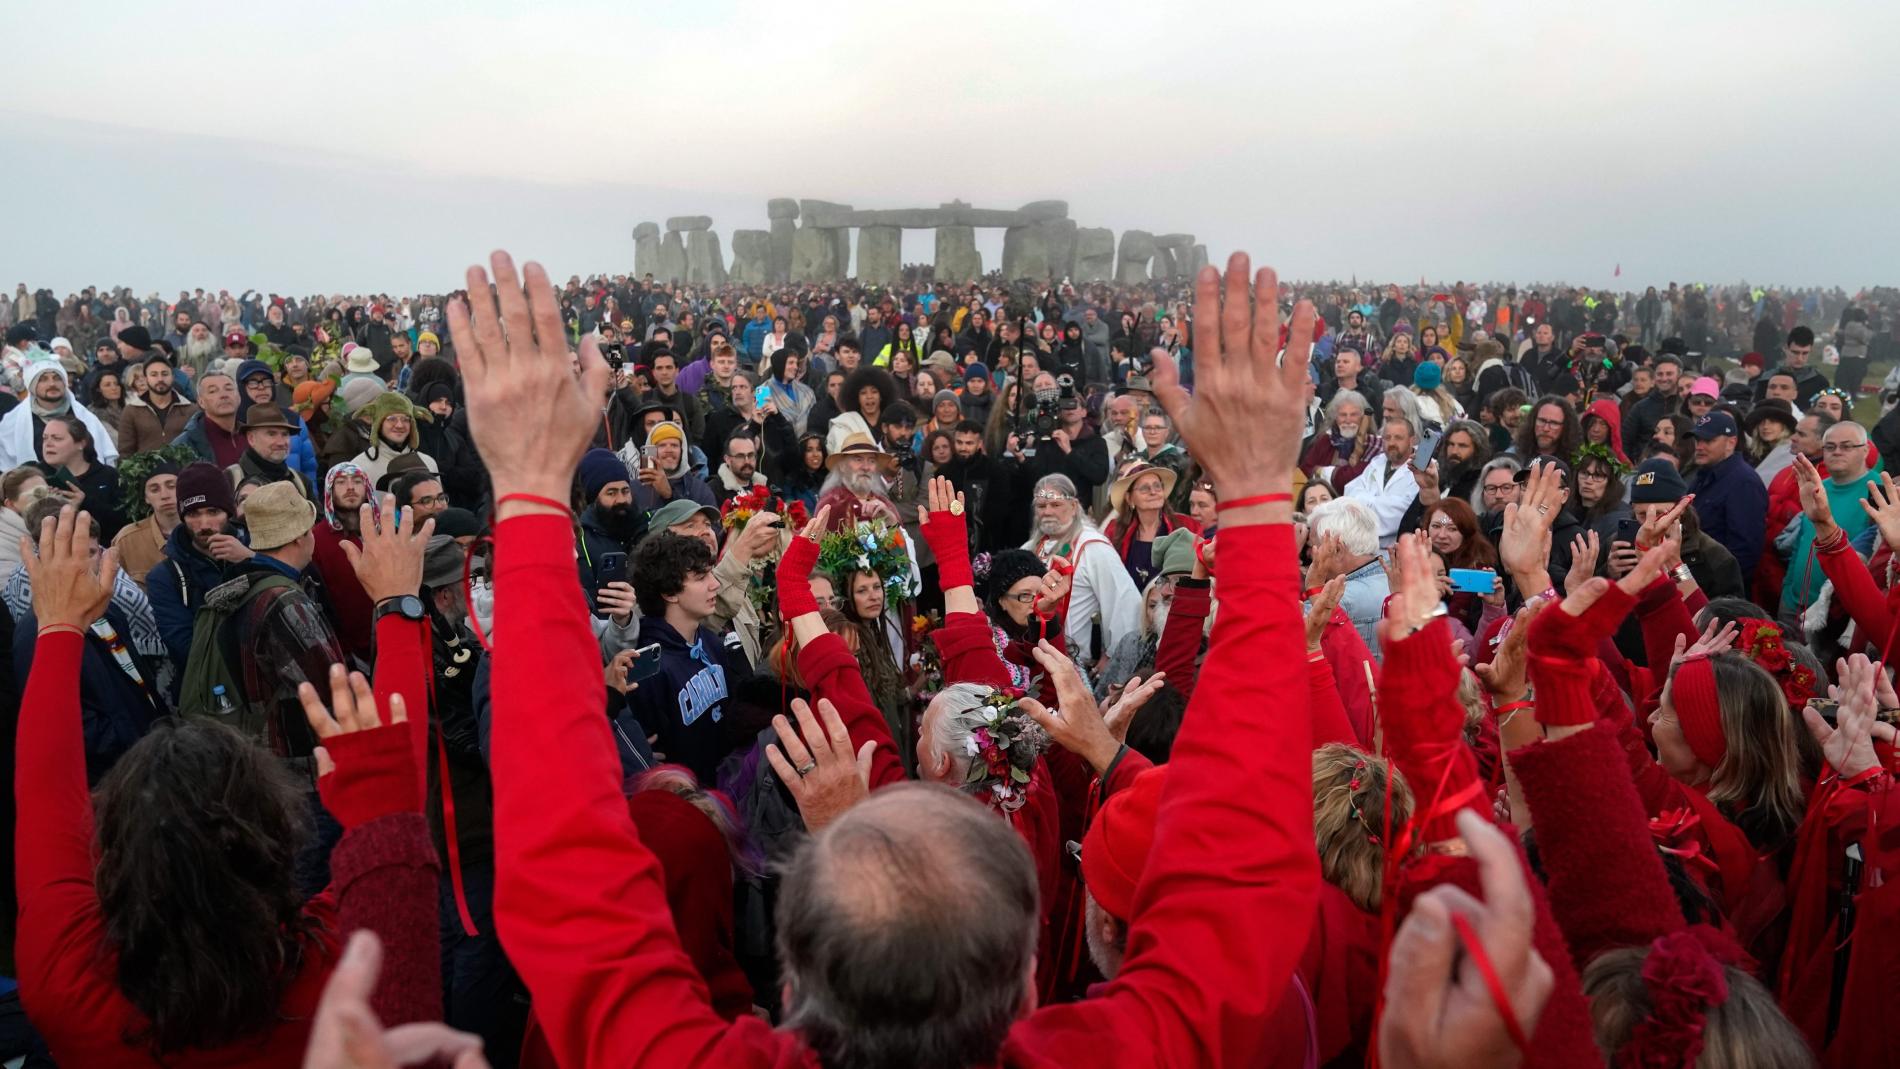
{"x": 613, "y": 568}
{"x": 646, "y": 663}
{"x": 1626, "y": 529}
{"x": 1422, "y": 457}
{"x": 762, "y": 396}
{"x": 647, "y": 456}
{"x": 1473, "y": 580}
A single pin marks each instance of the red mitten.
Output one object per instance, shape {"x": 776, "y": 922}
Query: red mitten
{"x": 949, "y": 538}
{"x": 795, "y": 598}
{"x": 375, "y": 775}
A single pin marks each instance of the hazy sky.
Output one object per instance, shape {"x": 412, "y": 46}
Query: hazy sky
{"x": 376, "y": 146}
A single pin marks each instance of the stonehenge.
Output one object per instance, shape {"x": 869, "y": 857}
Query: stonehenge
{"x": 810, "y": 241}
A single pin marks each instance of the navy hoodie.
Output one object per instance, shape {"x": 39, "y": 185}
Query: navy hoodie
{"x": 687, "y": 703}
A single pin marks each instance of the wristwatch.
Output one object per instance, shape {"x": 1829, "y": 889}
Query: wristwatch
{"x": 407, "y": 606}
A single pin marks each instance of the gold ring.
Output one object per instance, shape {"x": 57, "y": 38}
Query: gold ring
{"x": 956, "y": 507}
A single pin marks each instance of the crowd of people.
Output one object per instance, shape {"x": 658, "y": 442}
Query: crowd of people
{"x": 629, "y": 674}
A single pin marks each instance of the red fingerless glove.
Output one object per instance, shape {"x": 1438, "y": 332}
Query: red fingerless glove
{"x": 1562, "y": 685}
{"x": 1556, "y": 633}
{"x": 949, "y": 538}
{"x": 375, "y": 775}
{"x": 795, "y": 598}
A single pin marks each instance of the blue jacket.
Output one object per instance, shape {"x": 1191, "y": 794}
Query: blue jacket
{"x": 114, "y": 712}
{"x": 1732, "y": 504}
{"x": 176, "y": 587}
{"x": 687, "y": 702}
{"x": 753, "y": 338}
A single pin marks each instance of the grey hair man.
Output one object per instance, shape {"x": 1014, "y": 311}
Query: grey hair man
{"x": 1102, "y": 589}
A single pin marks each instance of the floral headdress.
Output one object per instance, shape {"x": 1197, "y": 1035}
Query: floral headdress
{"x": 1602, "y": 452}
{"x": 1685, "y": 979}
{"x": 873, "y": 546}
{"x": 1761, "y": 642}
{"x": 740, "y": 508}
{"x": 1003, "y": 751}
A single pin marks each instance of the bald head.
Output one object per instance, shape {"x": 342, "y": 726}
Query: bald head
{"x": 906, "y": 930}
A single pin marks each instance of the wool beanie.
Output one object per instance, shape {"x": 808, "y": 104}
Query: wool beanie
{"x": 600, "y": 469}
{"x": 204, "y": 486}
{"x": 1427, "y": 376}
{"x": 1692, "y": 692}
{"x": 1657, "y": 482}
{"x": 1010, "y": 567}
{"x": 1117, "y": 844}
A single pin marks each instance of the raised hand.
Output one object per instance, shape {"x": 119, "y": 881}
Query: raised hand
{"x": 818, "y": 768}
{"x": 1439, "y": 1008}
{"x": 389, "y": 563}
{"x": 1243, "y": 421}
{"x": 67, "y": 591}
{"x": 1583, "y": 561}
{"x": 362, "y": 773}
{"x": 1882, "y": 505}
{"x": 1664, "y": 527}
{"x": 1414, "y": 599}
{"x": 1329, "y": 554}
{"x": 1055, "y": 585}
{"x": 347, "y": 1035}
{"x": 532, "y": 419}
{"x": 1524, "y": 541}
{"x": 1076, "y": 723}
{"x": 1716, "y": 637}
{"x": 942, "y": 496}
{"x": 1814, "y": 502}
{"x": 1320, "y": 612}
{"x": 1123, "y": 707}
{"x": 1848, "y": 745}
{"x": 618, "y": 601}
{"x": 1507, "y": 677}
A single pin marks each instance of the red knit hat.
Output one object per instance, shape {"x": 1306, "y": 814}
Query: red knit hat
{"x": 1117, "y": 843}
{"x": 1699, "y": 712}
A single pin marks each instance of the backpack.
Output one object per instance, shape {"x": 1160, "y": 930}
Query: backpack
{"x": 214, "y": 661}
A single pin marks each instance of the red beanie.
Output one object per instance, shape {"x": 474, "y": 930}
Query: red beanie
{"x": 1697, "y": 710}
{"x": 1117, "y": 843}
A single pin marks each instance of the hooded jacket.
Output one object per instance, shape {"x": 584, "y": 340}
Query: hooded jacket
{"x": 176, "y": 587}
{"x": 1606, "y": 409}
{"x": 375, "y": 458}
{"x": 682, "y": 478}
{"x": 20, "y": 428}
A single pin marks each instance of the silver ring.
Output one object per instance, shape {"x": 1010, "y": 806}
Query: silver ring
{"x": 1543, "y": 509}
{"x": 805, "y": 768}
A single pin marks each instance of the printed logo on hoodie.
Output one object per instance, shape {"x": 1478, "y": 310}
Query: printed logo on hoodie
{"x": 704, "y": 691}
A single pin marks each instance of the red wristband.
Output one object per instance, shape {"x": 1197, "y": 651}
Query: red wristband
{"x": 534, "y": 499}
{"x": 1248, "y": 502}
{"x": 1511, "y": 707}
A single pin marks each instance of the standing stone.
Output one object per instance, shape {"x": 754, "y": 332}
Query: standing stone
{"x": 957, "y": 258}
{"x": 1164, "y": 267}
{"x": 783, "y": 212}
{"x": 1197, "y": 259}
{"x": 1044, "y": 211}
{"x": 1094, "y": 254}
{"x": 670, "y": 264}
{"x": 751, "y": 250}
{"x": 880, "y": 254}
{"x": 705, "y": 265}
{"x": 814, "y": 256}
{"x": 1131, "y": 260}
{"x": 646, "y": 248}
{"x": 1039, "y": 250}
{"x": 840, "y": 250}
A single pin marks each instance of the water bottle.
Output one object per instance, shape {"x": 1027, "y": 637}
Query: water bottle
{"x": 221, "y": 702}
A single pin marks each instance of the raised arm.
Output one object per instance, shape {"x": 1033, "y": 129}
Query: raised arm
{"x": 969, "y": 656}
{"x": 58, "y": 906}
{"x": 830, "y": 671}
{"x": 579, "y": 901}
{"x": 1234, "y": 831}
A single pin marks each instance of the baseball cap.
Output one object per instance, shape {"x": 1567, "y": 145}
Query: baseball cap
{"x": 1715, "y": 425}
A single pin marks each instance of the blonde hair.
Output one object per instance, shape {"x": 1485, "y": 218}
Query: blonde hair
{"x": 1758, "y": 781}
{"x": 1350, "y": 820}
{"x": 1747, "y": 1030}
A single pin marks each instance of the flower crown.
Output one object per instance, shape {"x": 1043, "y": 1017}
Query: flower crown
{"x": 1761, "y": 642}
{"x": 873, "y": 546}
{"x": 740, "y": 508}
{"x": 1599, "y": 451}
{"x": 1003, "y": 751}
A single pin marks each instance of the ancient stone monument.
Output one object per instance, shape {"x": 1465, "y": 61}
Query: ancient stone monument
{"x": 810, "y": 241}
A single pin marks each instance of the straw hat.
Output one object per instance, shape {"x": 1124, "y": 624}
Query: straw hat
{"x": 1118, "y": 492}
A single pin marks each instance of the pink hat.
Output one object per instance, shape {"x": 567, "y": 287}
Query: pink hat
{"x": 1706, "y": 386}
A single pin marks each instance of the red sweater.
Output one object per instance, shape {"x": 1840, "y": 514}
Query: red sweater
{"x": 383, "y": 878}
{"x": 350, "y": 607}
{"x": 581, "y": 905}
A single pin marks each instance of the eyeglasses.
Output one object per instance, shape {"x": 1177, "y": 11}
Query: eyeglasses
{"x": 1843, "y": 447}
{"x": 1501, "y": 488}
{"x": 1027, "y": 597}
{"x": 430, "y": 501}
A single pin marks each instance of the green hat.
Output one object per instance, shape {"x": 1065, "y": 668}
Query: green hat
{"x": 1173, "y": 553}
{"x": 678, "y": 511}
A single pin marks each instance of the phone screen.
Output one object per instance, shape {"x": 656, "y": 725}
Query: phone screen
{"x": 762, "y": 396}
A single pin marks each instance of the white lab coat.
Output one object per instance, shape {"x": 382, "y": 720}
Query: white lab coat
{"x": 1101, "y": 588}
{"x": 1389, "y": 498}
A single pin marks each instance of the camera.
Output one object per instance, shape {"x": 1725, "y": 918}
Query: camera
{"x": 615, "y": 355}
{"x": 1042, "y": 421}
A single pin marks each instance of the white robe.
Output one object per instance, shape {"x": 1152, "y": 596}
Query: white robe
{"x": 17, "y": 446}
{"x": 1101, "y": 588}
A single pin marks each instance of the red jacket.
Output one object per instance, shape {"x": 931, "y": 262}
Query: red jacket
{"x": 383, "y": 878}
{"x": 581, "y": 903}
{"x": 350, "y": 608}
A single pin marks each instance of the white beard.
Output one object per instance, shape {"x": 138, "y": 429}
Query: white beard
{"x": 1049, "y": 526}
{"x": 868, "y": 484}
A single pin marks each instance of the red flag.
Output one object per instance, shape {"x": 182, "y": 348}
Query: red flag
{"x": 1619, "y": 270}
